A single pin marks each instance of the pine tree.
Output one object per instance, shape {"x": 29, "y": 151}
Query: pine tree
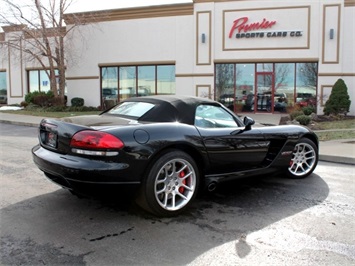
{"x": 339, "y": 99}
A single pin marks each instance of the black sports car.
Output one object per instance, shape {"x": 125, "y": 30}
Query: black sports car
{"x": 170, "y": 146}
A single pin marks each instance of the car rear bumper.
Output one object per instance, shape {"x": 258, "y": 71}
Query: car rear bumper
{"x": 66, "y": 170}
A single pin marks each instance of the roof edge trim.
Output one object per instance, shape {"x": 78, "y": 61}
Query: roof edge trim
{"x": 129, "y": 13}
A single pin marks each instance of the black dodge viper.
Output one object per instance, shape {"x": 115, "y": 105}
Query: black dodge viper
{"x": 170, "y": 147}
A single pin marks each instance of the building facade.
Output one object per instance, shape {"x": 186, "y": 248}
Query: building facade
{"x": 254, "y": 56}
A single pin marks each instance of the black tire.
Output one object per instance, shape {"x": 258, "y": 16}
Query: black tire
{"x": 304, "y": 159}
{"x": 170, "y": 185}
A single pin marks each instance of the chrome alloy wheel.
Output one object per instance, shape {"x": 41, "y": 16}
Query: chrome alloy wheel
{"x": 175, "y": 184}
{"x": 303, "y": 160}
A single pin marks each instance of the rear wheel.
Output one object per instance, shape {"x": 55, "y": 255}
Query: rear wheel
{"x": 304, "y": 159}
{"x": 170, "y": 185}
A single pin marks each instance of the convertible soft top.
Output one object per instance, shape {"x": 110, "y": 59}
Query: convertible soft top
{"x": 171, "y": 108}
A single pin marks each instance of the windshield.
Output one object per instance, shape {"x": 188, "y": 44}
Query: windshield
{"x": 133, "y": 109}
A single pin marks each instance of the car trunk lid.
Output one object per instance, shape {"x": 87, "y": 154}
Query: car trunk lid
{"x": 56, "y": 134}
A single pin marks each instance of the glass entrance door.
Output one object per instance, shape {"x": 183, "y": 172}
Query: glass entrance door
{"x": 264, "y": 96}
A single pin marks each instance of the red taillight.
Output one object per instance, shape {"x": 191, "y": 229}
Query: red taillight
{"x": 95, "y": 140}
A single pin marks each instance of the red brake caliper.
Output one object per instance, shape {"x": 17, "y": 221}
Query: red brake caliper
{"x": 181, "y": 175}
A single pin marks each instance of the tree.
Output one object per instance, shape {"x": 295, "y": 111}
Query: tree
{"x": 339, "y": 100}
{"x": 42, "y": 32}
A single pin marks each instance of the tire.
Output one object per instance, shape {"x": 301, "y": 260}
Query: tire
{"x": 170, "y": 185}
{"x": 304, "y": 159}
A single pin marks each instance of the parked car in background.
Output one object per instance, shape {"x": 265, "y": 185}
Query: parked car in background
{"x": 305, "y": 102}
{"x": 169, "y": 147}
{"x": 264, "y": 102}
{"x": 109, "y": 93}
{"x": 229, "y": 100}
{"x": 3, "y": 99}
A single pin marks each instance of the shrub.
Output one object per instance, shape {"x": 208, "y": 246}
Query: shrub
{"x": 339, "y": 100}
{"x": 308, "y": 110}
{"x": 32, "y": 107}
{"x": 58, "y": 101}
{"x": 29, "y": 96}
{"x": 23, "y": 104}
{"x": 303, "y": 119}
{"x": 40, "y": 98}
{"x": 295, "y": 114}
{"x": 76, "y": 101}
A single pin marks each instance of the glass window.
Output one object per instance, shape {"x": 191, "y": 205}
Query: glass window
{"x": 146, "y": 80}
{"x": 245, "y": 88}
{"x": 166, "y": 79}
{"x": 211, "y": 116}
{"x": 306, "y": 84}
{"x": 34, "y": 81}
{"x": 39, "y": 80}
{"x": 127, "y": 83}
{"x": 264, "y": 67}
{"x": 3, "y": 80}
{"x": 284, "y": 86}
{"x": 123, "y": 82}
{"x": 44, "y": 81}
{"x": 239, "y": 86}
{"x": 132, "y": 109}
{"x": 264, "y": 92}
{"x": 225, "y": 84}
{"x": 109, "y": 85}
{"x": 3, "y": 87}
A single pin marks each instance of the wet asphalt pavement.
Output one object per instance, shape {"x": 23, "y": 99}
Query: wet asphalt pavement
{"x": 270, "y": 220}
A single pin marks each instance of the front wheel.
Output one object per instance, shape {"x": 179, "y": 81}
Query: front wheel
{"x": 304, "y": 159}
{"x": 170, "y": 185}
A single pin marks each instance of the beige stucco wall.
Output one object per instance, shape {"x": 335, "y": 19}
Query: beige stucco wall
{"x": 177, "y": 39}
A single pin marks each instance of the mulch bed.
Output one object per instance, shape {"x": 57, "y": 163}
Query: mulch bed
{"x": 320, "y": 118}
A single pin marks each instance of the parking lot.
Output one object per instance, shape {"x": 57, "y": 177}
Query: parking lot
{"x": 270, "y": 220}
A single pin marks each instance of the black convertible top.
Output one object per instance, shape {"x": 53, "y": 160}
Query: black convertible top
{"x": 171, "y": 108}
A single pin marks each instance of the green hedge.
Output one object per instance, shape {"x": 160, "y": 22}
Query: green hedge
{"x": 77, "y": 102}
{"x": 303, "y": 119}
{"x": 295, "y": 114}
{"x": 39, "y": 97}
{"x": 308, "y": 110}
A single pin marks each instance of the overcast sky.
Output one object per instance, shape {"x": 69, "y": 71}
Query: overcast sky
{"x": 92, "y": 5}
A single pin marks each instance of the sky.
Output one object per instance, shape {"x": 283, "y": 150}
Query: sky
{"x": 92, "y": 5}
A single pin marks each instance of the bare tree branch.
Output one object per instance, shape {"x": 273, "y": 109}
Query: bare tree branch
{"x": 42, "y": 35}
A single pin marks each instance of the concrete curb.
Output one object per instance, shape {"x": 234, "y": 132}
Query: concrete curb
{"x": 336, "y": 159}
{"x": 27, "y": 124}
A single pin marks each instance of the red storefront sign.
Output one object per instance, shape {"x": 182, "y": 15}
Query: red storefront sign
{"x": 241, "y": 25}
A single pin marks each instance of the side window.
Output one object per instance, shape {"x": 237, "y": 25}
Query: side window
{"x": 211, "y": 116}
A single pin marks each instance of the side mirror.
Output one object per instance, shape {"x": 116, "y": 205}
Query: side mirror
{"x": 248, "y": 122}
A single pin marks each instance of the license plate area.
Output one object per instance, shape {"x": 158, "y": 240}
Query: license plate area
{"x": 50, "y": 139}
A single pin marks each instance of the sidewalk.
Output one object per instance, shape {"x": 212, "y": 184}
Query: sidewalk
{"x": 338, "y": 151}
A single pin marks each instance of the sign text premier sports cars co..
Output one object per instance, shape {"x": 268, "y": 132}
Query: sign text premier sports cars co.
{"x": 242, "y": 29}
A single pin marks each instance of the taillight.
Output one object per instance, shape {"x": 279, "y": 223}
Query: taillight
{"x": 95, "y": 140}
